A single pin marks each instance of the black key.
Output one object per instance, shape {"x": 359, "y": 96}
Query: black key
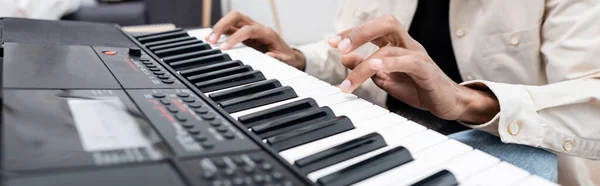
{"x": 245, "y": 90}
{"x": 181, "y": 57}
{"x": 219, "y": 73}
{"x": 163, "y": 36}
{"x": 159, "y": 33}
{"x": 367, "y": 168}
{"x": 210, "y": 59}
{"x": 165, "y": 42}
{"x": 182, "y": 49}
{"x": 310, "y": 133}
{"x": 174, "y": 44}
{"x": 210, "y": 68}
{"x": 341, "y": 152}
{"x": 230, "y": 81}
{"x": 263, "y": 116}
{"x": 258, "y": 99}
{"x": 442, "y": 178}
{"x": 291, "y": 122}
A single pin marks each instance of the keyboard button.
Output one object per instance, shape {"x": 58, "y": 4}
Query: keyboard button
{"x": 158, "y": 95}
{"x": 208, "y": 116}
{"x": 172, "y": 109}
{"x": 183, "y": 95}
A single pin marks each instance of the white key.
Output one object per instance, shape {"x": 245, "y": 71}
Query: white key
{"x": 425, "y": 159}
{"x": 325, "y": 91}
{"x": 389, "y": 117}
{"x": 202, "y": 32}
{"x": 461, "y": 167}
{"x": 341, "y": 108}
{"x": 315, "y": 94}
{"x": 404, "y": 131}
{"x": 500, "y": 174}
{"x": 336, "y": 99}
{"x": 537, "y": 181}
{"x": 199, "y": 33}
{"x": 305, "y": 84}
{"x": 356, "y": 114}
{"x": 304, "y": 150}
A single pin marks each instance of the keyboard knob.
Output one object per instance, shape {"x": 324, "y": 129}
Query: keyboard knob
{"x": 135, "y": 51}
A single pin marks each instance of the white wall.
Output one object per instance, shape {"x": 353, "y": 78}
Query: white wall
{"x": 302, "y": 21}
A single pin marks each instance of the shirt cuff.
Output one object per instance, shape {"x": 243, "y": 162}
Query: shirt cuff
{"x": 516, "y": 122}
{"x": 312, "y": 60}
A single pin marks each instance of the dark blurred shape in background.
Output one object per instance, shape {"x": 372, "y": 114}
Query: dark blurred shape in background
{"x": 183, "y": 13}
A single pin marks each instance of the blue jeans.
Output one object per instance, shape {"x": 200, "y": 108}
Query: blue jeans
{"x": 537, "y": 161}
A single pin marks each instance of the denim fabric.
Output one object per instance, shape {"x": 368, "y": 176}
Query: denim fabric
{"x": 535, "y": 160}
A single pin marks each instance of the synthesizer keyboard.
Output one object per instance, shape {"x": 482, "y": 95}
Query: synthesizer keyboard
{"x": 170, "y": 109}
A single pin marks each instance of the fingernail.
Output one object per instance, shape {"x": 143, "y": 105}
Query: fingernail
{"x": 376, "y": 64}
{"x": 224, "y": 46}
{"x": 345, "y": 86}
{"x": 335, "y": 39}
{"x": 344, "y": 45}
{"x": 212, "y": 37}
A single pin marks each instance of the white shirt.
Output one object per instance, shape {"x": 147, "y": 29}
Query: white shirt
{"x": 541, "y": 58}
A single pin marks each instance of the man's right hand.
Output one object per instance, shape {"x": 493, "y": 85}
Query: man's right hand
{"x": 262, "y": 38}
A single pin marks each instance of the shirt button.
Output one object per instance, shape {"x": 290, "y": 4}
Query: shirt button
{"x": 514, "y": 40}
{"x": 514, "y": 128}
{"x": 469, "y": 78}
{"x": 460, "y": 32}
{"x": 568, "y": 146}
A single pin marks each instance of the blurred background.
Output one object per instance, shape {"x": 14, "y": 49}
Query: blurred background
{"x": 298, "y": 21}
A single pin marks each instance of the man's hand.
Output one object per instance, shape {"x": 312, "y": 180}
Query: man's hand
{"x": 403, "y": 68}
{"x": 243, "y": 29}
